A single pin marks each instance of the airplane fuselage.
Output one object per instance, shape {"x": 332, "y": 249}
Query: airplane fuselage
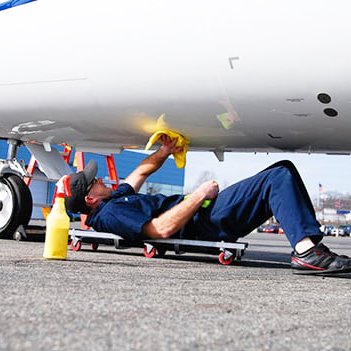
{"x": 230, "y": 75}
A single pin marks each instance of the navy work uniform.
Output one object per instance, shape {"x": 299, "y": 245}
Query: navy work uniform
{"x": 237, "y": 210}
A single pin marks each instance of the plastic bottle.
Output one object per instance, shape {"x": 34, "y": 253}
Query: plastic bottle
{"x": 57, "y": 225}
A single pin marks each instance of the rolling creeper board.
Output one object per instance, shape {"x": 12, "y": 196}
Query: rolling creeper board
{"x": 227, "y": 252}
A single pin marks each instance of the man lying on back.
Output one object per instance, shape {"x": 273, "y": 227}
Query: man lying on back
{"x": 232, "y": 213}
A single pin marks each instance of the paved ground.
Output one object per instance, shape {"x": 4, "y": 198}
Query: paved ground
{"x": 109, "y": 300}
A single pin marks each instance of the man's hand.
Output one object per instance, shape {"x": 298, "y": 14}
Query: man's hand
{"x": 169, "y": 222}
{"x": 168, "y": 145}
{"x": 153, "y": 162}
{"x": 209, "y": 189}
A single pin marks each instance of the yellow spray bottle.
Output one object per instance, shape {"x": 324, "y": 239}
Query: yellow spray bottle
{"x": 57, "y": 224}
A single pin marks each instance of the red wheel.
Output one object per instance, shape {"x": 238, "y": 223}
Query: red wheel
{"x": 76, "y": 246}
{"x": 94, "y": 246}
{"x": 150, "y": 253}
{"x": 225, "y": 261}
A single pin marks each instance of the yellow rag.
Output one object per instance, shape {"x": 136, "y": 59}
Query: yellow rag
{"x": 179, "y": 157}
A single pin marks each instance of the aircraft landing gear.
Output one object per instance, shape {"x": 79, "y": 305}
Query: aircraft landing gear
{"x": 15, "y": 198}
{"x": 15, "y": 205}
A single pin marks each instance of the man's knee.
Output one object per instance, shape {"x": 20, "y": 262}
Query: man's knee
{"x": 285, "y": 164}
{"x": 292, "y": 169}
{"x": 281, "y": 171}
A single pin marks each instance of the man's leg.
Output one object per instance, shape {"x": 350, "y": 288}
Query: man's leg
{"x": 279, "y": 191}
{"x": 243, "y": 206}
{"x": 306, "y": 243}
{"x": 297, "y": 177}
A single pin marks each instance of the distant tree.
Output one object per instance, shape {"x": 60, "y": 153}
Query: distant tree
{"x": 203, "y": 177}
{"x": 337, "y": 201}
{"x": 152, "y": 188}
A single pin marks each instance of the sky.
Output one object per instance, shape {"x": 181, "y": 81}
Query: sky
{"x": 332, "y": 171}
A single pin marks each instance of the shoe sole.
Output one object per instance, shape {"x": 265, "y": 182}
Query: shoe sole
{"x": 323, "y": 272}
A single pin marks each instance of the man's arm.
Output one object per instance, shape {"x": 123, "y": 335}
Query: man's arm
{"x": 169, "y": 222}
{"x": 152, "y": 163}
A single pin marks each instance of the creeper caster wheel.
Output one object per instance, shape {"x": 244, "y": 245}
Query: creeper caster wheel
{"x": 76, "y": 246}
{"x": 149, "y": 251}
{"x": 226, "y": 258}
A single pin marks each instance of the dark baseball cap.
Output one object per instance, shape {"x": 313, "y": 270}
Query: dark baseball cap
{"x": 79, "y": 185}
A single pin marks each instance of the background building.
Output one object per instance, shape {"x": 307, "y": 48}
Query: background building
{"x": 168, "y": 180}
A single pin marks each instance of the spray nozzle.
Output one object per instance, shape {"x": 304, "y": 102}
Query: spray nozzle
{"x": 62, "y": 187}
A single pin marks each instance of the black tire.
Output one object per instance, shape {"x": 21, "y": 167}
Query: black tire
{"x": 15, "y": 205}
{"x": 24, "y": 198}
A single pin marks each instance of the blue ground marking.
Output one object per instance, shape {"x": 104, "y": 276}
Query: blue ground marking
{"x": 12, "y": 3}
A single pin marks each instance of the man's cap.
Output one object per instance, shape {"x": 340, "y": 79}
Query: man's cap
{"x": 79, "y": 184}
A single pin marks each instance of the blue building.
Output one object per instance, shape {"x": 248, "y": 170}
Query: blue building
{"x": 168, "y": 180}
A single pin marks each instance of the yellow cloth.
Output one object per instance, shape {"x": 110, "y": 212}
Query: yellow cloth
{"x": 179, "y": 157}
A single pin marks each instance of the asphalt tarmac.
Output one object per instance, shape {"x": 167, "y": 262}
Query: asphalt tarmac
{"x": 120, "y": 300}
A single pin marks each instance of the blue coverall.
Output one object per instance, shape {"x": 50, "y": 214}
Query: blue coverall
{"x": 237, "y": 210}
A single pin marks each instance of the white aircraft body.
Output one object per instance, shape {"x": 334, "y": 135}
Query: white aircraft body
{"x": 230, "y": 75}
